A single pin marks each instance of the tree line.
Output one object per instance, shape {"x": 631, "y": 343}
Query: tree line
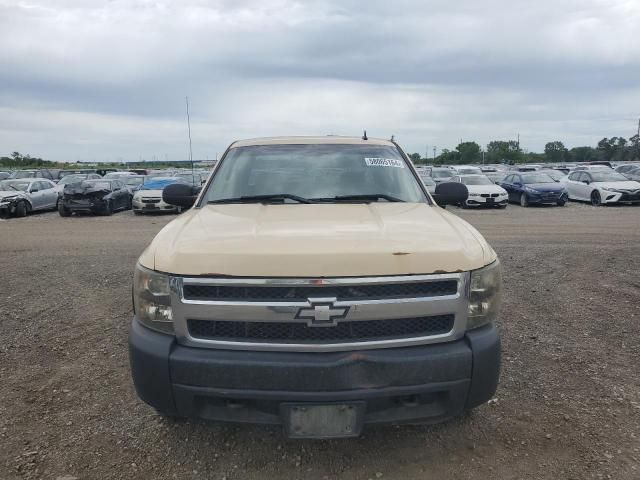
{"x": 508, "y": 151}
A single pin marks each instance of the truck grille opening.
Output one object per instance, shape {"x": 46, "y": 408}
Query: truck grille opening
{"x": 302, "y": 293}
{"x": 290, "y": 332}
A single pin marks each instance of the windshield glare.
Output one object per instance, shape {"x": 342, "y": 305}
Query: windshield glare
{"x": 313, "y": 172}
{"x": 71, "y": 179}
{"x": 480, "y": 180}
{"x": 537, "y": 178}
{"x": 440, "y": 174}
{"x": 608, "y": 177}
{"x": 9, "y": 185}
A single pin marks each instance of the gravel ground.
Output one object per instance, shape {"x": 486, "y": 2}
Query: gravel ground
{"x": 568, "y": 405}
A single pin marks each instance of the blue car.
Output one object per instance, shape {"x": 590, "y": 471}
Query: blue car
{"x": 534, "y": 188}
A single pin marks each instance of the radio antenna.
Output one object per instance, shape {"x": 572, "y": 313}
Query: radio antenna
{"x": 189, "y": 130}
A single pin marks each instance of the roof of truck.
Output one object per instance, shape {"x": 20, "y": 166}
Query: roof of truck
{"x": 326, "y": 140}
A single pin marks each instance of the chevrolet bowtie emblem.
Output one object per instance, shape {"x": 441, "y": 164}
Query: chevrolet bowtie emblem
{"x": 322, "y": 312}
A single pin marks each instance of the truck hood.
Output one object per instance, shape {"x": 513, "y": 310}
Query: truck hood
{"x": 485, "y": 189}
{"x": 321, "y": 240}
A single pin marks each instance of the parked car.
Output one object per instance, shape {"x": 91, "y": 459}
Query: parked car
{"x": 316, "y": 286}
{"x": 534, "y": 188}
{"x": 20, "y": 196}
{"x": 441, "y": 175}
{"x": 102, "y": 197}
{"x": 149, "y": 197}
{"x": 75, "y": 178}
{"x": 4, "y": 175}
{"x": 482, "y": 192}
{"x": 601, "y": 187}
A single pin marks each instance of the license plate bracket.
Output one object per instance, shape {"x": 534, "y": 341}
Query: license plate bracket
{"x": 321, "y": 421}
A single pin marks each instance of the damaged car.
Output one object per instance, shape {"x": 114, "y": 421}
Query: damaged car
{"x": 101, "y": 197}
{"x": 20, "y": 196}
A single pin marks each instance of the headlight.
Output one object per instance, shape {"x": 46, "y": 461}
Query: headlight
{"x": 151, "y": 299}
{"x": 485, "y": 295}
{"x": 531, "y": 190}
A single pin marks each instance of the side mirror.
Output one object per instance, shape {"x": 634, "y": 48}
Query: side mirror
{"x": 586, "y": 182}
{"x": 450, "y": 193}
{"x": 180, "y": 195}
{"x": 33, "y": 190}
{"x": 517, "y": 184}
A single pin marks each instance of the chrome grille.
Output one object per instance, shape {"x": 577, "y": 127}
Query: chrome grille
{"x": 301, "y": 293}
{"x": 283, "y": 332}
{"x": 322, "y": 314}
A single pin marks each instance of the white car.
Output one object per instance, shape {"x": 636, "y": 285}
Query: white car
{"x": 602, "y": 186}
{"x": 482, "y": 191}
{"x": 149, "y": 197}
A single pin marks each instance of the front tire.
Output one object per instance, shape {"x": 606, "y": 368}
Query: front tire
{"x": 596, "y": 200}
{"x": 21, "y": 209}
{"x": 64, "y": 212}
{"x": 561, "y": 203}
{"x": 524, "y": 200}
{"x": 108, "y": 210}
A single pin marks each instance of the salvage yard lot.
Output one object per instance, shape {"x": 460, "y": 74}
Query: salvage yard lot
{"x": 568, "y": 405}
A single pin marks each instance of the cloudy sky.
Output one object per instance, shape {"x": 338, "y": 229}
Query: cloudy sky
{"x": 107, "y": 80}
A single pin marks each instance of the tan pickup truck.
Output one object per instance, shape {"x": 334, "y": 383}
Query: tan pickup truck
{"x": 315, "y": 284}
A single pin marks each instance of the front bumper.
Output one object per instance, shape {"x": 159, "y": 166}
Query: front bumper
{"x": 159, "y": 206}
{"x": 487, "y": 201}
{"x": 420, "y": 384}
{"x": 93, "y": 205}
{"x": 609, "y": 196}
{"x": 547, "y": 198}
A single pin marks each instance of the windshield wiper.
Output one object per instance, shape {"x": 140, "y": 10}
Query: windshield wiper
{"x": 263, "y": 199}
{"x": 372, "y": 197}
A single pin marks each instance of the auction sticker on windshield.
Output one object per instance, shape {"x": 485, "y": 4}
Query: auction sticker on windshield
{"x": 384, "y": 162}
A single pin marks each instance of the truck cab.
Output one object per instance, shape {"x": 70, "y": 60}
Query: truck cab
{"x": 314, "y": 283}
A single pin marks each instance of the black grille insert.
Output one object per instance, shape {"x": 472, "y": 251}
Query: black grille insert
{"x": 290, "y": 332}
{"x": 301, "y": 293}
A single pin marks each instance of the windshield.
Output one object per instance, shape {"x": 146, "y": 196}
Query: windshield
{"x": 314, "y": 172}
{"x": 97, "y": 184}
{"x": 479, "y": 180}
{"x": 10, "y": 185}
{"x": 469, "y": 171}
{"x": 555, "y": 174}
{"x": 537, "y": 178}
{"x": 158, "y": 183}
{"x": 441, "y": 174}
{"x": 607, "y": 176}
{"x": 135, "y": 181}
{"x": 71, "y": 179}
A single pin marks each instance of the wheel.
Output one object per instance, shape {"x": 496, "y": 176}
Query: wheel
{"x": 108, "y": 210}
{"x": 21, "y": 209}
{"x": 64, "y": 212}
{"x": 561, "y": 202}
{"x": 524, "y": 200}
{"x": 596, "y": 201}
{"x": 129, "y": 204}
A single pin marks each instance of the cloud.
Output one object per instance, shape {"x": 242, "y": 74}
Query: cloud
{"x": 104, "y": 80}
